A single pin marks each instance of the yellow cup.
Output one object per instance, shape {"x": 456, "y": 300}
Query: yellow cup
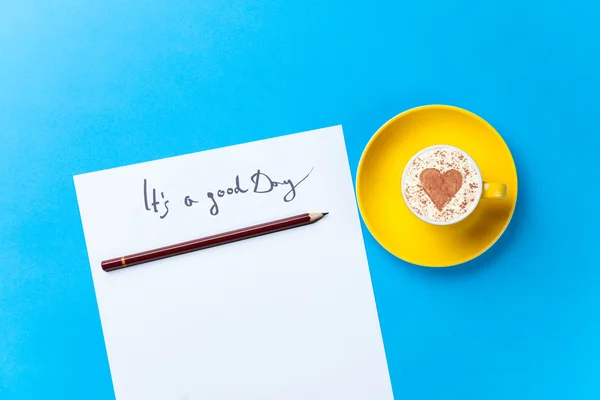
{"x": 486, "y": 190}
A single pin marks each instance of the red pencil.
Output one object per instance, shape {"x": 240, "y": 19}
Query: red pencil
{"x": 211, "y": 241}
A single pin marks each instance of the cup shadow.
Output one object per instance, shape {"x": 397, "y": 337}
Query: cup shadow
{"x": 496, "y": 250}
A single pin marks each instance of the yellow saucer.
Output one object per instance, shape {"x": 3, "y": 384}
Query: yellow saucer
{"x": 380, "y": 196}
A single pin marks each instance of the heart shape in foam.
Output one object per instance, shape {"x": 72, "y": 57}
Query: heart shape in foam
{"x": 441, "y": 188}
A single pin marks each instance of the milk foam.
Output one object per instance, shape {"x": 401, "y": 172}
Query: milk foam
{"x": 443, "y": 159}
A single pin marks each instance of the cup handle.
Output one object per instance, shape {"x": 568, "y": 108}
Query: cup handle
{"x": 494, "y": 190}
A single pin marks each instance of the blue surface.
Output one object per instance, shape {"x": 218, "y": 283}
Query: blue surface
{"x": 91, "y": 85}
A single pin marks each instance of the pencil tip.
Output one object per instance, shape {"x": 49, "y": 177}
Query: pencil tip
{"x": 325, "y": 213}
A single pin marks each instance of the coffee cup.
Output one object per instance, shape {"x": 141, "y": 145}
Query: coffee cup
{"x": 442, "y": 185}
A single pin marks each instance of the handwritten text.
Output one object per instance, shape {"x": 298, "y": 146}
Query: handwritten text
{"x": 156, "y": 201}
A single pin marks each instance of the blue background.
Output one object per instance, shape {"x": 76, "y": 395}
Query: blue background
{"x": 90, "y": 85}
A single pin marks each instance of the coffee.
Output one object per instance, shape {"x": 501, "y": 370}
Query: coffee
{"x": 441, "y": 184}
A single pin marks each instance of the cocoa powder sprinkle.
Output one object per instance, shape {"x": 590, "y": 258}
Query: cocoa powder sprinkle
{"x": 442, "y": 161}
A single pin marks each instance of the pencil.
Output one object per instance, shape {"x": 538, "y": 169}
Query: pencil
{"x": 211, "y": 241}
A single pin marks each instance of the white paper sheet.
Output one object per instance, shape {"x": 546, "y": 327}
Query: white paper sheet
{"x": 289, "y": 315}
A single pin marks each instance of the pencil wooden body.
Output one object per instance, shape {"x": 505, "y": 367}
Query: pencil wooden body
{"x": 210, "y": 241}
